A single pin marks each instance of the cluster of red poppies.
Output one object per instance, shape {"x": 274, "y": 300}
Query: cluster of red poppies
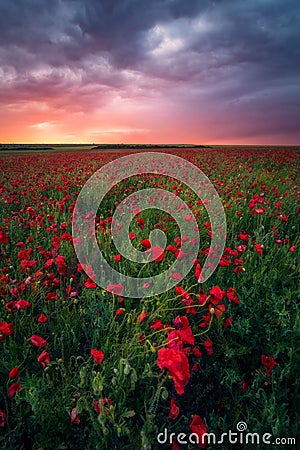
{"x": 38, "y": 261}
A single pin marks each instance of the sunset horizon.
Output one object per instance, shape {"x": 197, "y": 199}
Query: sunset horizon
{"x": 141, "y": 144}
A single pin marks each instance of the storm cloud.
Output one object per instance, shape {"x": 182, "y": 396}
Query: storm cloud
{"x": 159, "y": 71}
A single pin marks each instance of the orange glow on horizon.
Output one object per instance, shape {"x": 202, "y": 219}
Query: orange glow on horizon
{"x": 125, "y": 121}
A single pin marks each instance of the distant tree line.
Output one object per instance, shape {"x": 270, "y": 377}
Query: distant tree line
{"x": 143, "y": 146}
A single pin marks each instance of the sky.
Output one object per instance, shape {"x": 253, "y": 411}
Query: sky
{"x": 150, "y": 71}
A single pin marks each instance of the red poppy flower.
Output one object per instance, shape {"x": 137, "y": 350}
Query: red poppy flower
{"x": 60, "y": 260}
{"x": 283, "y": 218}
{"x": 244, "y": 386}
{"x": 27, "y": 264}
{"x": 202, "y": 298}
{"x": 146, "y": 243}
{"x": 238, "y": 261}
{"x": 228, "y": 322}
{"x": 115, "y": 288}
{"x": 195, "y": 367}
{"x": 198, "y": 271}
{"x": 102, "y": 405}
{"x": 96, "y": 406}
{"x": 219, "y": 310}
{"x": 2, "y": 418}
{"x": 174, "y": 409}
{"x": 142, "y": 316}
{"x": 208, "y": 345}
{"x": 90, "y": 284}
{"x": 182, "y": 292}
{"x": 217, "y": 294}
{"x": 172, "y": 249}
{"x": 20, "y": 244}
{"x": 140, "y": 222}
{"x": 174, "y": 341}
{"x": 206, "y": 320}
{"x": 37, "y": 341}
{"x": 97, "y": 356}
{"x": 14, "y": 373}
{"x": 175, "y": 445}
{"x": 157, "y": 253}
{"x": 197, "y": 352}
{"x": 259, "y": 248}
{"x": 3, "y": 237}
{"x": 157, "y": 325}
{"x": 25, "y": 254}
{"x": 232, "y": 296}
{"x": 55, "y": 242}
{"x": 4, "y": 279}
{"x": 184, "y": 331}
{"x": 238, "y": 269}
{"x": 80, "y": 268}
{"x": 244, "y": 236}
{"x": 51, "y": 296}
{"x": 15, "y": 305}
{"x": 21, "y": 304}
{"x": 269, "y": 363}
{"x": 48, "y": 263}
{"x": 6, "y": 328}
{"x": 13, "y": 388}
{"x": 61, "y": 264}
{"x": 181, "y": 322}
{"x": 180, "y": 254}
{"x": 176, "y": 276}
{"x": 44, "y": 358}
{"x": 42, "y": 318}
{"x": 10, "y": 306}
{"x": 74, "y": 417}
{"x": 177, "y": 364}
{"x": 177, "y": 241}
{"x": 189, "y": 306}
{"x": 224, "y": 262}
{"x": 199, "y": 428}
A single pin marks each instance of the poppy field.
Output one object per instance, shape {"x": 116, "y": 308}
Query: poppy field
{"x": 83, "y": 367}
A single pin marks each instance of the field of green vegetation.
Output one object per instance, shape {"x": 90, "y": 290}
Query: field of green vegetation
{"x": 84, "y": 368}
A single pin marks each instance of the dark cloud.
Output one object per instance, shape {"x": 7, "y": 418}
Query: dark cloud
{"x": 232, "y": 55}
